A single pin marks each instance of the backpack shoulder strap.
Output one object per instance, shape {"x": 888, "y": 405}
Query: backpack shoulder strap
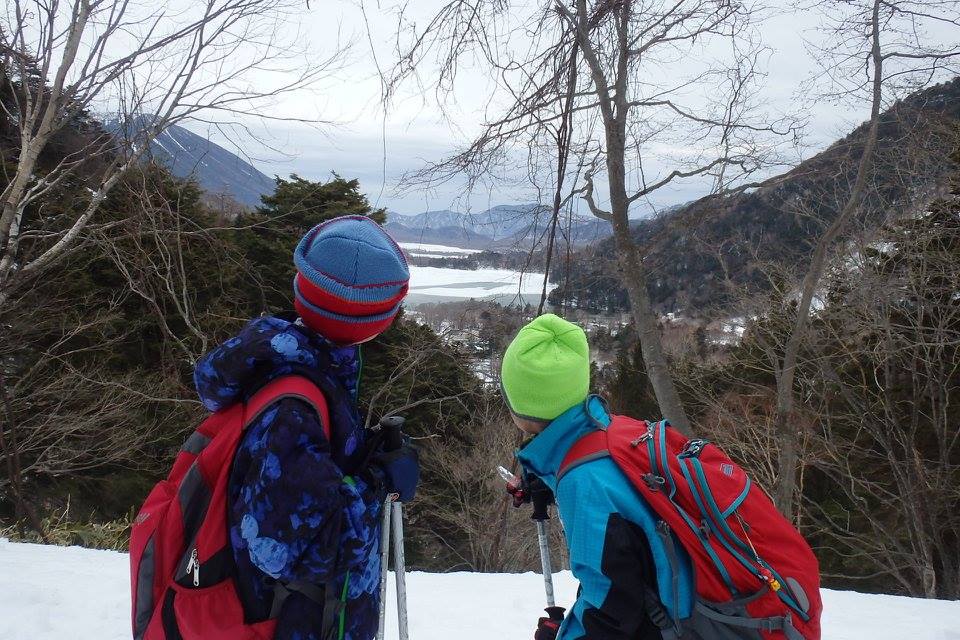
{"x": 293, "y": 386}
{"x": 589, "y": 447}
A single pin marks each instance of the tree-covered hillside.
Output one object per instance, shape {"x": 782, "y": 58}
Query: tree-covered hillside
{"x": 97, "y": 354}
{"x": 708, "y": 253}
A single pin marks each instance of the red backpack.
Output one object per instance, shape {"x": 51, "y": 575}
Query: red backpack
{"x": 181, "y": 560}
{"x": 754, "y": 574}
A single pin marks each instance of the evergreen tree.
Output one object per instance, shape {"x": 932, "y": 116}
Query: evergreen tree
{"x": 267, "y": 236}
{"x": 301, "y": 204}
{"x": 628, "y": 389}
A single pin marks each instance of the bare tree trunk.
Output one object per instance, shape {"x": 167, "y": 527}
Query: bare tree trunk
{"x": 635, "y": 281}
{"x": 648, "y": 329}
{"x": 563, "y": 156}
{"x": 783, "y": 417}
{"x": 615, "y": 110}
{"x": 46, "y": 107}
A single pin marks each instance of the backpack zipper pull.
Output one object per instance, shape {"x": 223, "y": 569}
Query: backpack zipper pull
{"x": 643, "y": 437}
{"x": 194, "y": 565}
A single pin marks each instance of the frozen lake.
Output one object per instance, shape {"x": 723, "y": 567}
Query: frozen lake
{"x": 422, "y": 250}
{"x": 443, "y": 284}
{"x": 436, "y": 284}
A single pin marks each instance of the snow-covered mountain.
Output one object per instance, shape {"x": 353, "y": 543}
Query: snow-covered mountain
{"x": 216, "y": 169}
{"x": 496, "y": 224}
{"x": 500, "y": 227}
{"x": 54, "y": 593}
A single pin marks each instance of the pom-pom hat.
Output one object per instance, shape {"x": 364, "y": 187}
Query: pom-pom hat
{"x": 351, "y": 279}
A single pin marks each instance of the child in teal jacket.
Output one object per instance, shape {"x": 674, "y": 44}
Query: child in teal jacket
{"x": 629, "y": 589}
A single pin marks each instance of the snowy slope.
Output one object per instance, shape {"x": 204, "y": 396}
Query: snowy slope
{"x": 217, "y": 169}
{"x": 65, "y": 593}
{"x": 189, "y": 155}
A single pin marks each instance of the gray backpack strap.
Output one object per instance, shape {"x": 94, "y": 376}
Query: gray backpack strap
{"x": 783, "y": 624}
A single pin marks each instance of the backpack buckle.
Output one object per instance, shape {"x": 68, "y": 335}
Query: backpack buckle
{"x": 643, "y": 437}
{"x": 704, "y": 529}
{"x": 654, "y": 482}
{"x": 693, "y": 448}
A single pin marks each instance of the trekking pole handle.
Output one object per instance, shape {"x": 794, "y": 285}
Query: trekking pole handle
{"x": 541, "y": 497}
{"x": 392, "y": 431}
{"x": 540, "y": 513}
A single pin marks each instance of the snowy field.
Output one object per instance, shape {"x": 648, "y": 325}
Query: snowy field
{"x": 49, "y": 593}
{"x": 422, "y": 250}
{"x": 478, "y": 284}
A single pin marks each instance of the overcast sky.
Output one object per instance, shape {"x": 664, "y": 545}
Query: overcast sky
{"x": 363, "y": 144}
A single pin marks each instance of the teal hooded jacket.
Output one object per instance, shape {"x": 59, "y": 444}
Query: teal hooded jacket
{"x": 616, "y": 551}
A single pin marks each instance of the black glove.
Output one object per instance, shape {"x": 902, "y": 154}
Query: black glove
{"x": 402, "y": 470}
{"x": 548, "y": 627}
{"x": 540, "y": 496}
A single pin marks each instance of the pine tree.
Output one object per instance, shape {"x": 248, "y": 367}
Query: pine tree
{"x": 267, "y": 236}
{"x": 299, "y": 203}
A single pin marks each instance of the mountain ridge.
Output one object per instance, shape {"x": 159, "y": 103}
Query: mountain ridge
{"x": 501, "y": 227}
{"x": 701, "y": 256}
{"x": 217, "y": 170}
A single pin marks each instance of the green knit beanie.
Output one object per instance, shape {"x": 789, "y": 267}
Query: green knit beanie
{"x": 546, "y": 369}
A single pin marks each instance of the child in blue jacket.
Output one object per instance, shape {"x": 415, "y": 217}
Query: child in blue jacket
{"x": 628, "y": 590}
{"x": 304, "y": 510}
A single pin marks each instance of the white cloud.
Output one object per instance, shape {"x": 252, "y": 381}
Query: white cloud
{"x": 379, "y": 151}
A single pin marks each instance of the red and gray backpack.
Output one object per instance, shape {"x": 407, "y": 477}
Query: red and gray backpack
{"x": 755, "y": 577}
{"x": 181, "y": 560}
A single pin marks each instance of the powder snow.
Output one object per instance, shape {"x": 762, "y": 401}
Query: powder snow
{"x": 55, "y": 593}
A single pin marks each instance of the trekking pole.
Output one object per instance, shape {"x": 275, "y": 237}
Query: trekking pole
{"x": 393, "y": 519}
{"x": 384, "y": 560}
{"x": 541, "y": 500}
{"x": 400, "y": 569}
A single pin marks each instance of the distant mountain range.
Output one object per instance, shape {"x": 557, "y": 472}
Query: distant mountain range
{"x": 216, "y": 170}
{"x": 502, "y": 227}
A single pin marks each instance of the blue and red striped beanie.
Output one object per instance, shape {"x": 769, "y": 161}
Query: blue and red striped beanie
{"x": 351, "y": 279}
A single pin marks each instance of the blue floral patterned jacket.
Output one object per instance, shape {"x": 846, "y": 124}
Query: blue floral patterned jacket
{"x": 294, "y": 515}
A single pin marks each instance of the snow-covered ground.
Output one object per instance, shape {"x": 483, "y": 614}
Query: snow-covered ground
{"x": 476, "y": 283}
{"x": 59, "y": 593}
{"x": 422, "y": 250}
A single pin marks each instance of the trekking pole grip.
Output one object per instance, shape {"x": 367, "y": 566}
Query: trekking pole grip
{"x": 541, "y": 497}
{"x": 540, "y": 513}
{"x": 392, "y": 431}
